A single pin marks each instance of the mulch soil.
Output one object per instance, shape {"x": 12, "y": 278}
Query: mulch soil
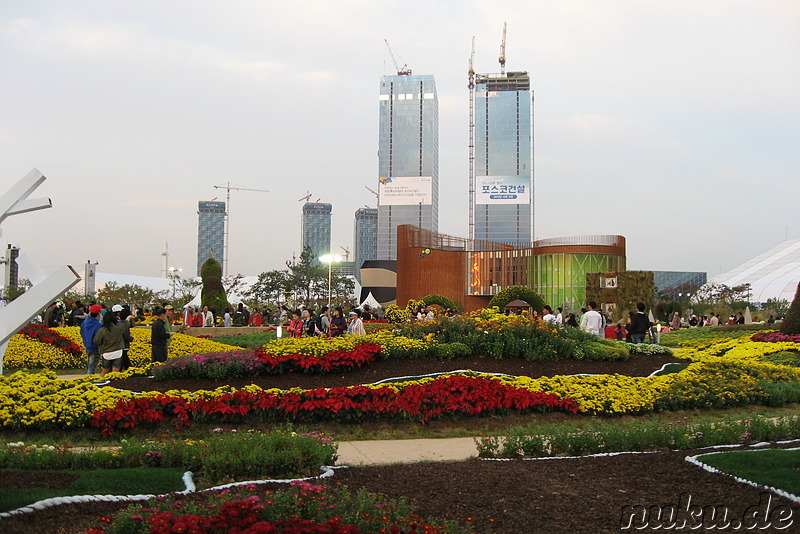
{"x": 636, "y": 365}
{"x": 571, "y": 495}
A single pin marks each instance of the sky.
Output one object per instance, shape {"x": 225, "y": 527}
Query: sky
{"x": 675, "y": 124}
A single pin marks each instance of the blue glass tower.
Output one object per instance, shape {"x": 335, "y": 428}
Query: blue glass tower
{"x": 365, "y": 238}
{"x": 210, "y": 232}
{"x": 503, "y": 165}
{"x": 316, "y": 228}
{"x": 408, "y": 158}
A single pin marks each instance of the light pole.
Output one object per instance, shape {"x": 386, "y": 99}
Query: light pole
{"x": 173, "y": 274}
{"x": 329, "y": 259}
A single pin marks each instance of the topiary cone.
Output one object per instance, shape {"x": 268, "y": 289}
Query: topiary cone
{"x": 791, "y": 323}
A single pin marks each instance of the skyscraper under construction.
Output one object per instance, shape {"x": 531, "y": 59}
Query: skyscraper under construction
{"x": 501, "y": 156}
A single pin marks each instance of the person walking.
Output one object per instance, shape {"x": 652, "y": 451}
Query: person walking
{"x": 89, "y": 328}
{"x": 159, "y": 336}
{"x": 356, "y": 326}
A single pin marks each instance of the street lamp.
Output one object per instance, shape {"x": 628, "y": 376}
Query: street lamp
{"x": 173, "y": 275}
{"x": 330, "y": 259}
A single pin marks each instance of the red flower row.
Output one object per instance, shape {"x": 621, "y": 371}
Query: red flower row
{"x": 51, "y": 337}
{"x": 446, "y": 396}
{"x": 336, "y": 360}
{"x": 775, "y": 337}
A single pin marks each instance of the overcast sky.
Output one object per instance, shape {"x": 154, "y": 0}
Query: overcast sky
{"x": 675, "y": 124}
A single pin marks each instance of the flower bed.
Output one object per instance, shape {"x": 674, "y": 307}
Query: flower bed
{"x": 435, "y": 398}
{"x": 51, "y": 337}
{"x": 234, "y": 364}
{"x": 775, "y": 337}
{"x": 297, "y": 508}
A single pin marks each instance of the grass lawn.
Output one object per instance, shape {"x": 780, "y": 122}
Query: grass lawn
{"x": 771, "y": 467}
{"x": 128, "y": 481}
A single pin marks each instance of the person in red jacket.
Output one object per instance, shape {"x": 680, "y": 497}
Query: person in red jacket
{"x": 295, "y": 327}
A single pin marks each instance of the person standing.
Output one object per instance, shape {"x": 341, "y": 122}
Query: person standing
{"x": 255, "y": 318}
{"x": 592, "y": 321}
{"x": 356, "y": 326}
{"x": 714, "y": 320}
{"x": 548, "y": 316}
{"x": 77, "y": 315}
{"x": 124, "y": 315}
{"x": 676, "y": 321}
{"x": 110, "y": 343}
{"x": 89, "y": 328}
{"x": 208, "y": 317}
{"x": 325, "y": 320}
{"x": 640, "y": 324}
{"x": 49, "y": 318}
{"x": 159, "y": 336}
{"x": 226, "y": 319}
{"x": 560, "y": 315}
{"x": 338, "y": 323}
{"x": 188, "y": 316}
{"x": 295, "y": 327}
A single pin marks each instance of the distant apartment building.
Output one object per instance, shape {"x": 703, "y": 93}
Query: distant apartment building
{"x": 408, "y": 158}
{"x": 502, "y": 199}
{"x": 316, "y": 228}
{"x": 365, "y": 238}
{"x": 210, "y": 231}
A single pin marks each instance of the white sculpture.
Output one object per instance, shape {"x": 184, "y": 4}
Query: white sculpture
{"x": 19, "y": 312}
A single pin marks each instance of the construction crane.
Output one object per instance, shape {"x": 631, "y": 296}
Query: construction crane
{"x": 405, "y": 71}
{"x": 472, "y": 141}
{"x": 502, "y": 58}
{"x": 228, "y": 188}
{"x": 371, "y": 191}
{"x": 346, "y": 253}
{"x": 307, "y": 198}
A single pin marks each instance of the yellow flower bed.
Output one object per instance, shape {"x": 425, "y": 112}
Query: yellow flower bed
{"x": 41, "y": 400}
{"x": 741, "y": 350}
{"x": 392, "y": 345}
{"x": 24, "y": 352}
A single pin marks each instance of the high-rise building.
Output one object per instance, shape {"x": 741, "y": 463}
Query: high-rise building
{"x": 316, "y": 228}
{"x": 365, "y": 238}
{"x": 408, "y": 158}
{"x": 502, "y": 181}
{"x": 210, "y": 231}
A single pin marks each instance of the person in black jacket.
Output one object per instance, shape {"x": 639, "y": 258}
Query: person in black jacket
{"x": 159, "y": 336}
{"x": 640, "y": 324}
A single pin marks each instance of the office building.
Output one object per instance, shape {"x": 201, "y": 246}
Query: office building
{"x": 365, "y": 238}
{"x": 210, "y": 232}
{"x": 408, "y": 158}
{"x": 502, "y": 165}
{"x": 316, "y": 228}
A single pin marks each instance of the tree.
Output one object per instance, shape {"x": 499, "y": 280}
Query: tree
{"x": 10, "y": 293}
{"x": 269, "y": 287}
{"x": 213, "y": 292}
{"x": 308, "y": 277}
{"x": 779, "y": 306}
{"x": 129, "y": 294}
{"x": 791, "y": 323}
{"x": 185, "y": 289}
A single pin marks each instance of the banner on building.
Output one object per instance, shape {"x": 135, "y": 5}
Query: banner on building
{"x": 405, "y": 191}
{"x": 502, "y": 189}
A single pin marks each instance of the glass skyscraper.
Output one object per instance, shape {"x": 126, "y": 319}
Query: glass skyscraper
{"x": 408, "y": 158}
{"x": 316, "y": 228}
{"x": 365, "y": 238}
{"x": 503, "y": 165}
{"x": 210, "y": 232}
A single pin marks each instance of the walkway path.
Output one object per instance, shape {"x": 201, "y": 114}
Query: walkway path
{"x": 392, "y": 451}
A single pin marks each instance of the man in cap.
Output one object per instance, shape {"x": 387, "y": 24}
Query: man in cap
{"x": 89, "y": 328}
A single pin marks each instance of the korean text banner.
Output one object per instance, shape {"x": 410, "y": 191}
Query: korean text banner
{"x": 406, "y": 190}
{"x": 502, "y": 189}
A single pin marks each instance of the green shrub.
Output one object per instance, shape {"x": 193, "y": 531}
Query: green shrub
{"x": 784, "y": 357}
{"x": 517, "y": 292}
{"x": 791, "y": 323}
{"x": 648, "y": 348}
{"x": 442, "y": 301}
{"x": 451, "y": 351}
{"x": 213, "y": 293}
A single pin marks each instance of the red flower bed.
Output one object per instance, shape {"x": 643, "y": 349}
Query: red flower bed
{"x": 775, "y": 337}
{"x": 447, "y": 396}
{"x": 51, "y": 337}
{"x": 336, "y": 360}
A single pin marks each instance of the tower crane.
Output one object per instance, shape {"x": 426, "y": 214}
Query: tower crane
{"x": 371, "y": 191}
{"x": 472, "y": 141}
{"x": 405, "y": 71}
{"x": 228, "y": 188}
{"x": 502, "y": 58}
{"x": 346, "y": 253}
{"x": 307, "y": 198}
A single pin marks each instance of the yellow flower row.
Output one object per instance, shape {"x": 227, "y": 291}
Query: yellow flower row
{"x": 24, "y": 352}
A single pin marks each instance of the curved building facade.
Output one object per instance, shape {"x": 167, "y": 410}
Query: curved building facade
{"x": 470, "y": 272}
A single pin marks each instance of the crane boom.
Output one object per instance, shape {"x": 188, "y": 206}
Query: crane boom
{"x": 472, "y": 141}
{"x": 405, "y": 71}
{"x": 228, "y": 188}
{"x": 502, "y": 57}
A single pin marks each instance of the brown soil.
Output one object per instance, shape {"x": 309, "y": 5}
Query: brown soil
{"x": 637, "y": 365}
{"x": 36, "y": 479}
{"x": 583, "y": 495}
